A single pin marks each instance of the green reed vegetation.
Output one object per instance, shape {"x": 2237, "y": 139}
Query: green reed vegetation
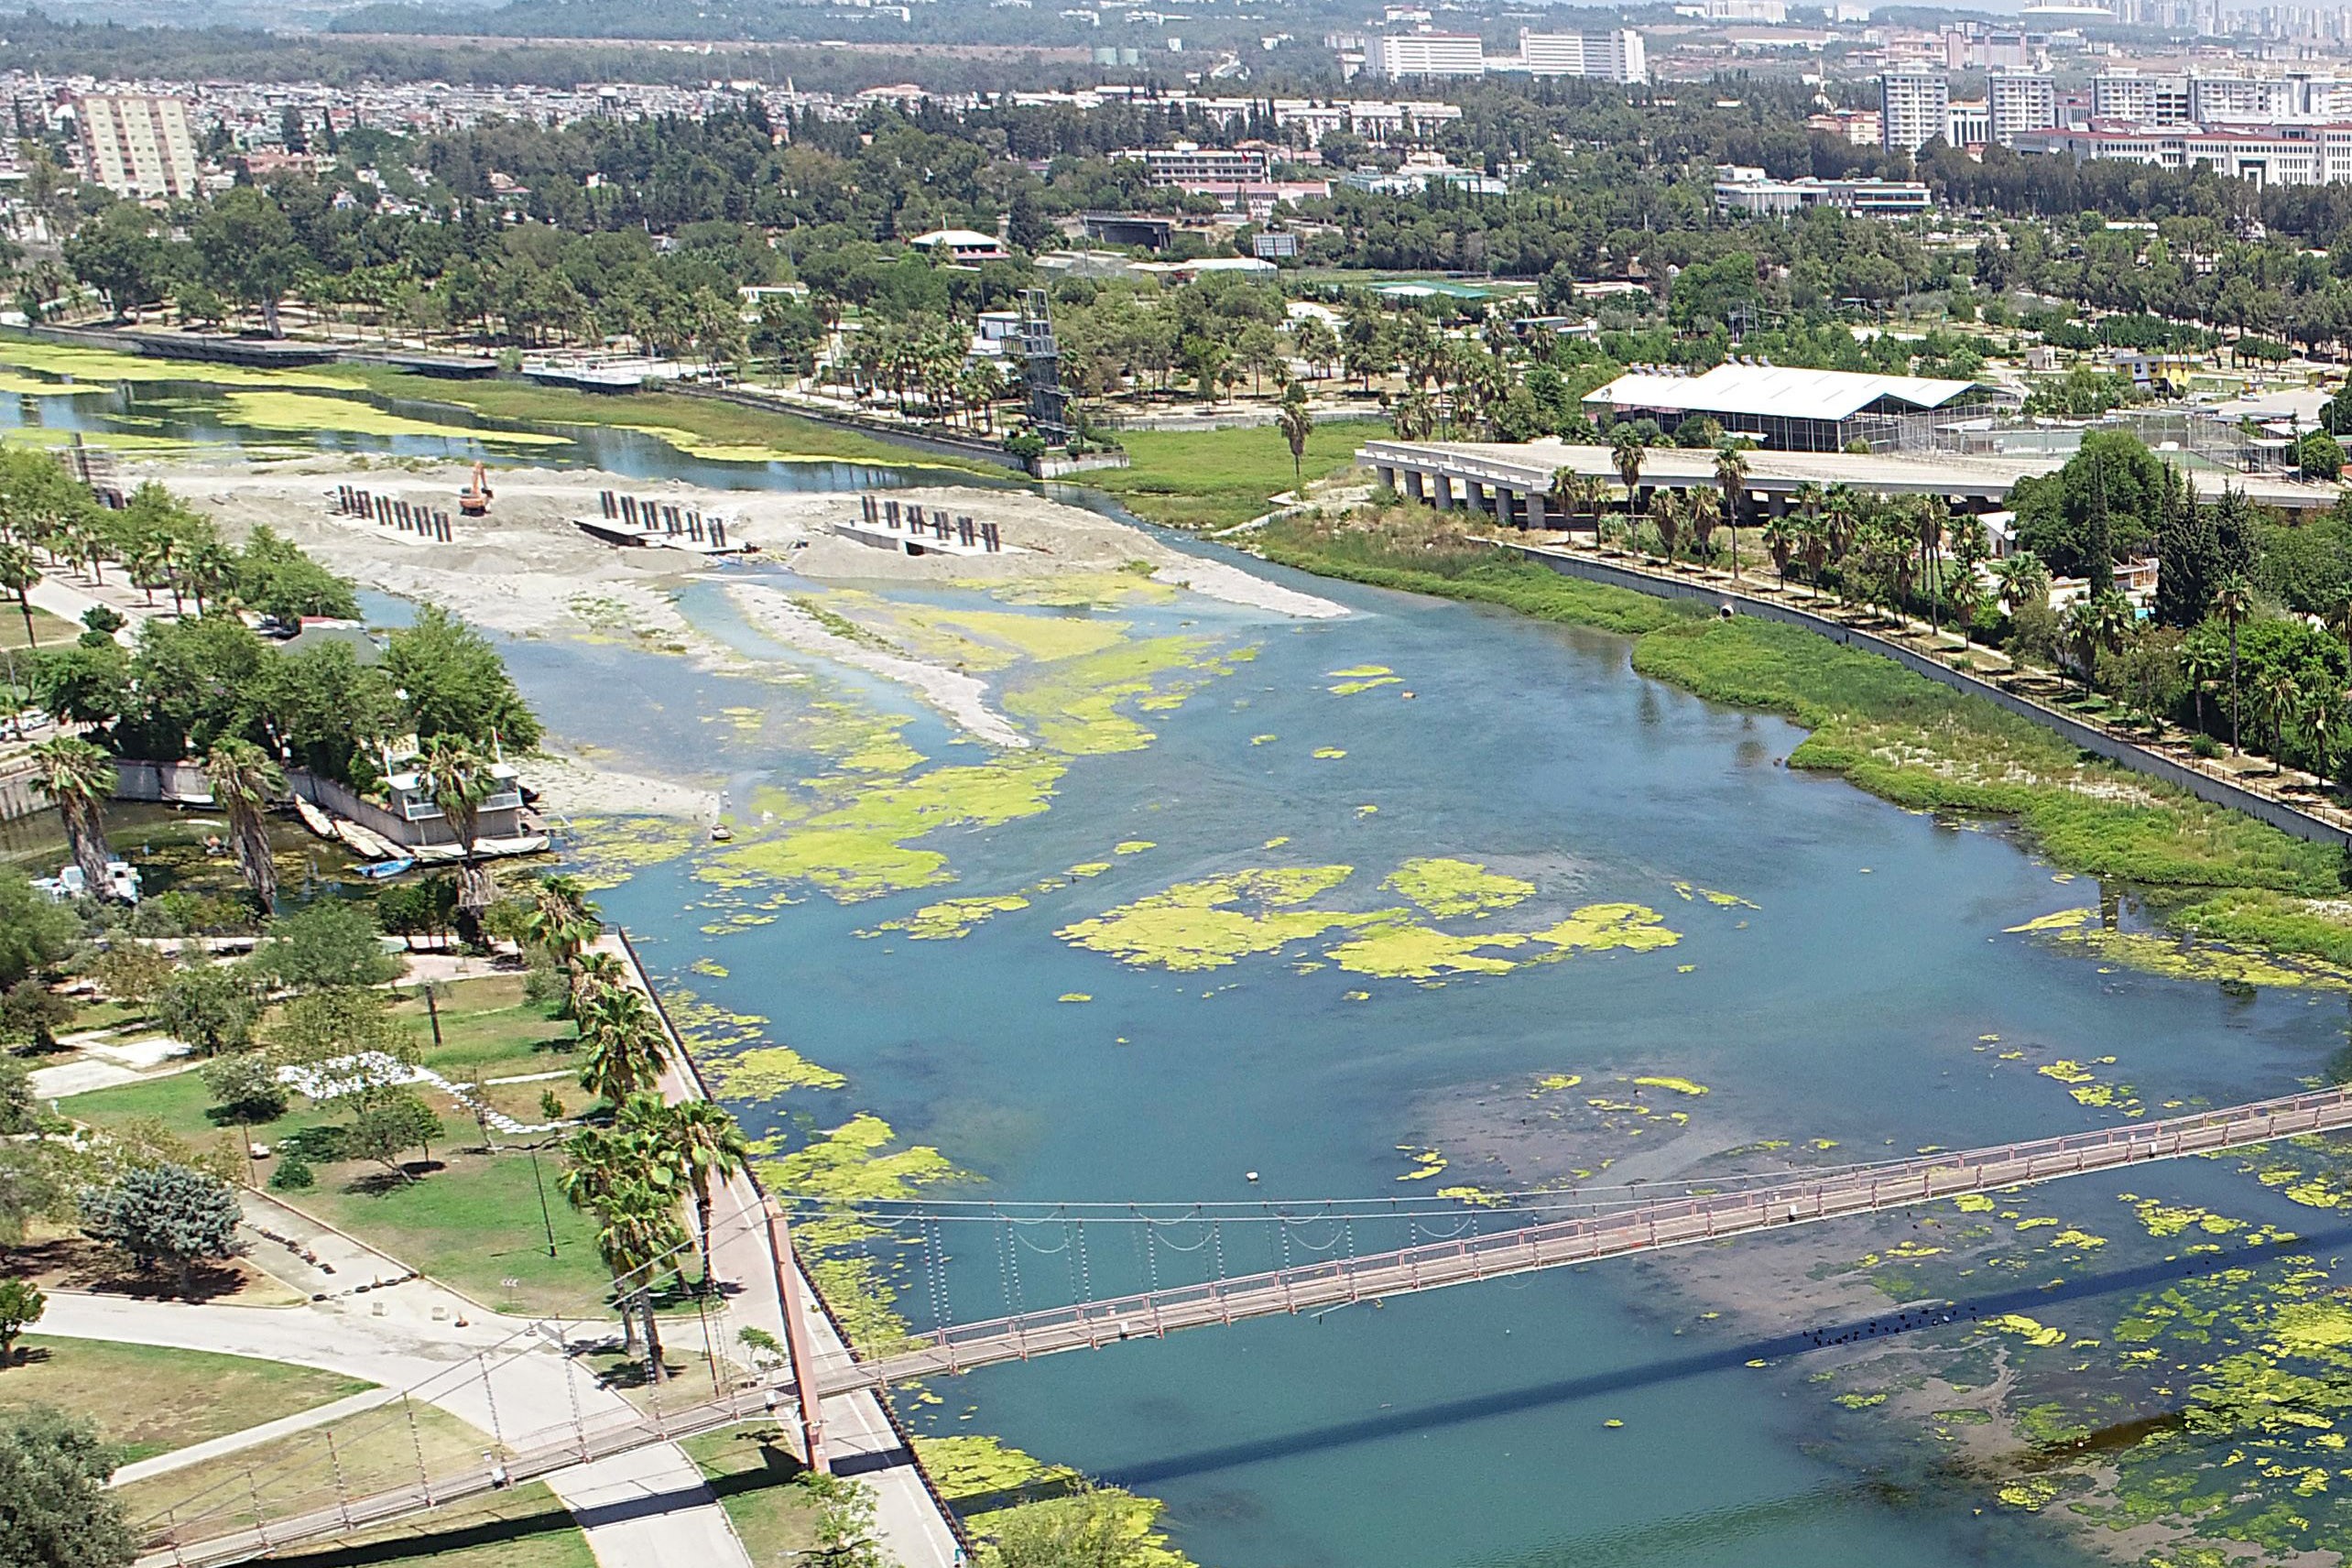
{"x": 1891, "y": 732}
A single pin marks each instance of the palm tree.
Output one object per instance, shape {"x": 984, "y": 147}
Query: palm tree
{"x": 2205, "y": 665}
{"x": 561, "y": 921}
{"x": 1781, "y": 537}
{"x": 1567, "y": 491}
{"x": 1667, "y": 517}
{"x": 212, "y": 569}
{"x": 2281, "y": 700}
{"x": 591, "y": 975}
{"x": 2339, "y": 621}
{"x": 2322, "y": 721}
{"x": 640, "y": 1233}
{"x": 78, "y": 776}
{"x": 1628, "y": 449}
{"x": 2233, "y": 601}
{"x": 458, "y": 777}
{"x": 20, "y": 575}
{"x": 2023, "y": 579}
{"x": 1702, "y": 509}
{"x": 2078, "y": 634}
{"x": 708, "y": 1147}
{"x": 1731, "y": 472}
{"x": 1930, "y": 519}
{"x": 246, "y": 782}
{"x": 1414, "y": 417}
{"x": 1296, "y": 425}
{"x": 626, "y": 1051}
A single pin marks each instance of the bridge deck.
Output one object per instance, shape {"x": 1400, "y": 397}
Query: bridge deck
{"x": 1679, "y": 1222}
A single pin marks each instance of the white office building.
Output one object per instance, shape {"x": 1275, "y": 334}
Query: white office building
{"x": 1967, "y": 124}
{"x": 1402, "y": 56}
{"x": 1613, "y": 56}
{"x": 1915, "y": 107}
{"x": 2019, "y": 101}
{"x": 2138, "y": 100}
{"x": 137, "y": 146}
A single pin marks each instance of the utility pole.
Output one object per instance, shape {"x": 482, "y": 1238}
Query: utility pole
{"x": 796, "y": 1340}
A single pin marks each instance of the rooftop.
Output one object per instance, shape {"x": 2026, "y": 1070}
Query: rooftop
{"x": 1788, "y": 393}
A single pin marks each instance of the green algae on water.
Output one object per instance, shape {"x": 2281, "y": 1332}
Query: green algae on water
{"x": 952, "y": 918}
{"x": 767, "y": 1073}
{"x": 1449, "y": 887}
{"x": 1211, "y": 923}
{"x": 604, "y": 852}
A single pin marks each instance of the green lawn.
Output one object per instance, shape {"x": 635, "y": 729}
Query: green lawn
{"x": 372, "y": 1452}
{"x": 753, "y": 1469}
{"x": 524, "y": 1528}
{"x": 711, "y": 424}
{"x": 474, "y": 1220}
{"x": 1215, "y": 479}
{"x": 48, "y": 631}
{"x": 146, "y": 1401}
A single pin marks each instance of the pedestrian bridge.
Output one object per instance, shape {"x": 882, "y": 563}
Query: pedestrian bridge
{"x": 225, "y": 1526}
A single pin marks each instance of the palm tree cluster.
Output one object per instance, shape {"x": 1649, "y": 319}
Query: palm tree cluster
{"x": 634, "y": 1172}
{"x": 155, "y": 541}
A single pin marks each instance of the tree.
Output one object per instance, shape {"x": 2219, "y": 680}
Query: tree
{"x": 35, "y": 934}
{"x": 210, "y": 1006}
{"x": 246, "y": 249}
{"x": 338, "y": 1022}
{"x": 21, "y": 1305}
{"x": 1629, "y": 446}
{"x": 245, "y": 783}
{"x": 2023, "y": 580}
{"x": 625, "y": 1051}
{"x": 78, "y": 776}
{"x": 246, "y": 1088}
{"x": 2233, "y": 601}
{"x": 324, "y": 946}
{"x": 457, "y": 685}
{"x": 395, "y": 1123}
{"x": 119, "y": 254}
{"x": 20, "y": 575}
{"x": 458, "y": 777}
{"x": 2103, "y": 507}
{"x": 1296, "y": 424}
{"x": 1731, "y": 472}
{"x": 164, "y": 1215}
{"x": 561, "y": 921}
{"x": 31, "y": 1014}
{"x": 639, "y": 1235}
{"x": 55, "y": 1509}
{"x": 701, "y": 1140}
{"x": 2319, "y": 455}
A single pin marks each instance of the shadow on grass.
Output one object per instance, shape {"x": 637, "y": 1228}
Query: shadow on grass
{"x": 433, "y": 1543}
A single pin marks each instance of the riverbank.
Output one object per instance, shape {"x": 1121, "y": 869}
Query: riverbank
{"x": 2206, "y": 871}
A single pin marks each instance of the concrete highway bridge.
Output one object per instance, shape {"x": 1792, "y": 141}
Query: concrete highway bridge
{"x": 226, "y": 1531}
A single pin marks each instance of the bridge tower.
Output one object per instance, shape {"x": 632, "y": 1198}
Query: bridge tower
{"x": 797, "y": 1342}
{"x": 1049, "y": 405}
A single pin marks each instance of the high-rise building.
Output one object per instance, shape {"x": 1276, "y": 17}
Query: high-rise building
{"x": 2140, "y": 99}
{"x": 1614, "y": 55}
{"x": 1915, "y": 107}
{"x": 2020, "y": 102}
{"x": 137, "y": 146}
{"x": 1398, "y": 56}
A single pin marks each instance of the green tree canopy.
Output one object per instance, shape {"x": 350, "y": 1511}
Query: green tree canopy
{"x": 326, "y": 945}
{"x": 457, "y": 685}
{"x": 2100, "y": 508}
{"x": 55, "y": 1509}
{"x": 34, "y": 933}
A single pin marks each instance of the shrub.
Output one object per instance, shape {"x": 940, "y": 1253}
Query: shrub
{"x": 245, "y": 1088}
{"x": 293, "y": 1173}
{"x": 322, "y": 1145}
{"x": 2204, "y": 745}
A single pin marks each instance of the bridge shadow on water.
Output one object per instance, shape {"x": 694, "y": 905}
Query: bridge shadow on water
{"x": 1147, "y": 1474}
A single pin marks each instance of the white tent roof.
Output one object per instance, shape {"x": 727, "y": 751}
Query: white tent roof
{"x": 1762, "y": 389}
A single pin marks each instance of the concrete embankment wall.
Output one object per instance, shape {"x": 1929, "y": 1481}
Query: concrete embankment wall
{"x": 2088, "y": 736}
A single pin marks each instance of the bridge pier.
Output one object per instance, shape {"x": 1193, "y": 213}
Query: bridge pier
{"x": 797, "y": 1342}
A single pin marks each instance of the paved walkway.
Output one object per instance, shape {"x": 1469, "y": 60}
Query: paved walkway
{"x": 253, "y": 1436}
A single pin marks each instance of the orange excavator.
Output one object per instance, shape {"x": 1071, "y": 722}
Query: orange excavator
{"x": 474, "y": 501}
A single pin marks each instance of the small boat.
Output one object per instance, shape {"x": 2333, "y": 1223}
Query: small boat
{"x": 721, "y": 833}
{"x": 379, "y": 870}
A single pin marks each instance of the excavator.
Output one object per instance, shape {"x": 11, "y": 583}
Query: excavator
{"x": 474, "y": 501}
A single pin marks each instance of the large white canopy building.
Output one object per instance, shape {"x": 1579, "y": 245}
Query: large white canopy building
{"x": 1787, "y": 409}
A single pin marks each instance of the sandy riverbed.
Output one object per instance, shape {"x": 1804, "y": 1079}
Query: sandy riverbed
{"x": 526, "y": 570}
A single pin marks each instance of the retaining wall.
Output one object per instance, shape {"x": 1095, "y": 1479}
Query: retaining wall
{"x": 939, "y": 444}
{"x": 2088, "y": 736}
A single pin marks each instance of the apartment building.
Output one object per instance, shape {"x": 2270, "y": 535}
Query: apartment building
{"x": 1915, "y": 107}
{"x": 2138, "y": 100}
{"x": 1185, "y": 164}
{"x": 1967, "y": 124}
{"x": 1401, "y": 56}
{"x": 2019, "y": 100}
{"x": 137, "y": 145}
{"x": 1613, "y": 56}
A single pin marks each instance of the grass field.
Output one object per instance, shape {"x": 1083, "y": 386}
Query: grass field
{"x": 525, "y": 1527}
{"x": 1215, "y": 479}
{"x": 48, "y": 631}
{"x": 472, "y": 1220}
{"x": 1895, "y": 734}
{"x": 373, "y": 1452}
{"x": 753, "y": 1471}
{"x": 145, "y": 1400}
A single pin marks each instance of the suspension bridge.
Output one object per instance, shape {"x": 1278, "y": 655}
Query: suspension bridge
{"x": 1540, "y": 1231}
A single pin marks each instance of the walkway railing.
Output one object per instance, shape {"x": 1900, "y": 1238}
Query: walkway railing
{"x": 1637, "y": 1227}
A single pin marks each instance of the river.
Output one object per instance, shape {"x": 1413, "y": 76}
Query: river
{"x": 1853, "y": 991}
